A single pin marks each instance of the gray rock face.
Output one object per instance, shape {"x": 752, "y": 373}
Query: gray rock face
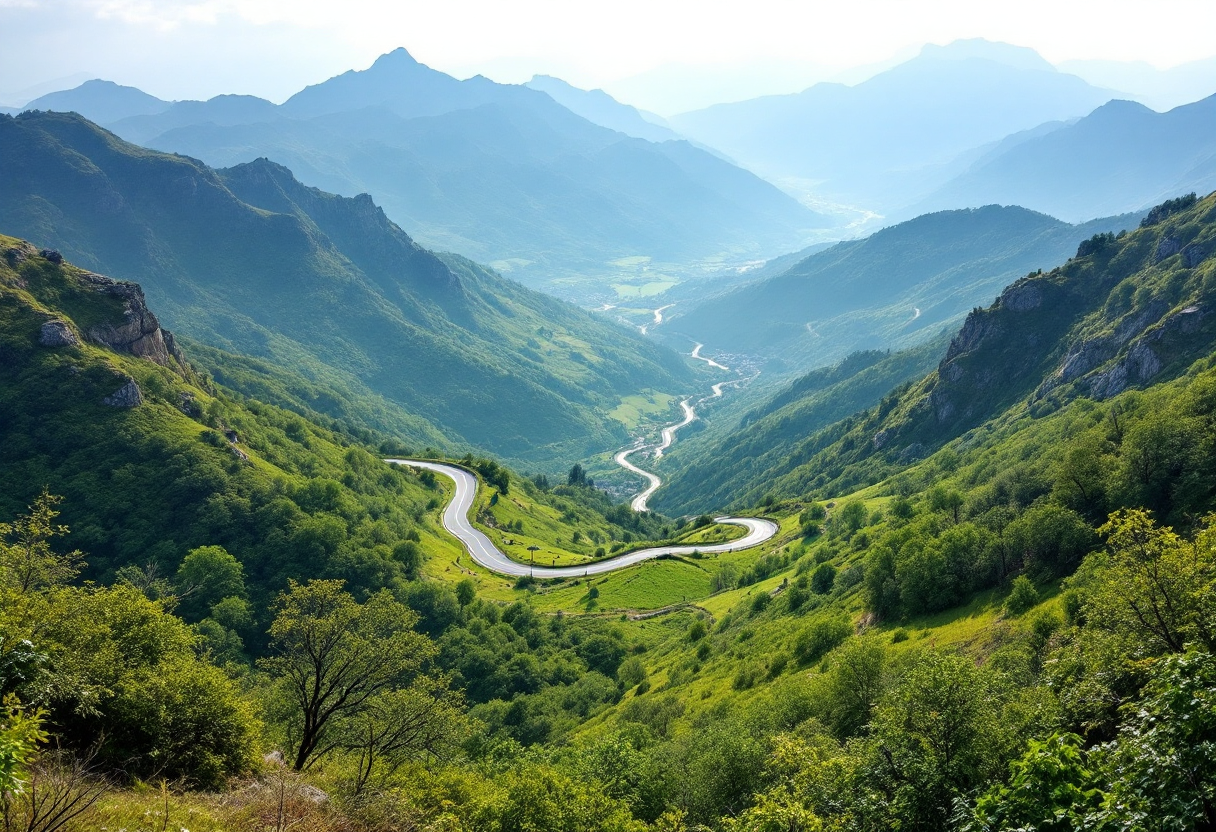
{"x": 1022, "y": 297}
{"x": 1194, "y": 254}
{"x": 1167, "y": 247}
{"x": 139, "y": 333}
{"x": 128, "y": 395}
{"x": 57, "y": 334}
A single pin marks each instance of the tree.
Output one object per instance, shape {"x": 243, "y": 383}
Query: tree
{"x": 811, "y": 518}
{"x": 402, "y": 724}
{"x": 856, "y": 682}
{"x": 946, "y": 500}
{"x": 937, "y": 736}
{"x": 207, "y": 576}
{"x": 1156, "y": 586}
{"x": 332, "y": 656}
{"x": 1052, "y": 788}
{"x": 27, "y": 561}
{"x": 823, "y": 578}
{"x": 1022, "y": 597}
{"x": 20, "y": 734}
{"x": 853, "y": 516}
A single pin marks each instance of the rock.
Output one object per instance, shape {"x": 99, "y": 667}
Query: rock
{"x": 1022, "y": 297}
{"x": 1194, "y": 254}
{"x": 18, "y": 254}
{"x": 57, "y": 334}
{"x": 881, "y": 438}
{"x": 978, "y": 326}
{"x": 139, "y": 333}
{"x": 231, "y": 436}
{"x": 52, "y": 255}
{"x": 128, "y": 395}
{"x": 189, "y": 405}
{"x": 1167, "y": 247}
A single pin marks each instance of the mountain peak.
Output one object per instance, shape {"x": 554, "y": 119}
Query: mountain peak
{"x": 399, "y": 57}
{"x": 1018, "y": 57}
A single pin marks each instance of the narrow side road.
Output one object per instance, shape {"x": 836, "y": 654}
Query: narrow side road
{"x": 485, "y": 553}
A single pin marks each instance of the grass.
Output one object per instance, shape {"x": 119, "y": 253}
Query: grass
{"x": 648, "y": 586}
{"x": 647, "y": 405}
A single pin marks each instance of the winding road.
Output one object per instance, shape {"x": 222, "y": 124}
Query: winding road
{"x": 484, "y": 552}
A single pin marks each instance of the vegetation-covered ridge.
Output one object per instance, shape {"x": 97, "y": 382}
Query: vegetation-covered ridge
{"x": 1130, "y": 310}
{"x": 248, "y": 260}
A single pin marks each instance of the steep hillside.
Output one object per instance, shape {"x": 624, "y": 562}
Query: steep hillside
{"x": 250, "y": 260}
{"x": 887, "y": 140}
{"x": 733, "y": 464}
{"x": 1128, "y": 311}
{"x": 891, "y": 289}
{"x": 500, "y": 173}
{"x": 1122, "y": 157}
{"x": 152, "y": 459}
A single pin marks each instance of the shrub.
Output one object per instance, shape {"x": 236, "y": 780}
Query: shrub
{"x": 819, "y": 639}
{"x": 1022, "y": 597}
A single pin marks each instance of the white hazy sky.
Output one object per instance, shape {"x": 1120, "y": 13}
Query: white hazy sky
{"x": 199, "y": 48}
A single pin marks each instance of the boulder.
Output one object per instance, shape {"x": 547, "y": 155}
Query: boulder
{"x": 128, "y": 395}
{"x": 56, "y": 333}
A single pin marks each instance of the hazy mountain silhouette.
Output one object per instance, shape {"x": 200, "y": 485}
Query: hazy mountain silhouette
{"x": 600, "y": 108}
{"x": 1122, "y": 157}
{"x": 893, "y": 137}
{"x": 100, "y": 101}
{"x": 1161, "y": 89}
{"x": 501, "y": 173}
{"x": 894, "y": 288}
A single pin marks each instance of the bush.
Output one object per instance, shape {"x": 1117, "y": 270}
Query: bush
{"x": 819, "y": 639}
{"x": 823, "y": 578}
{"x": 1022, "y": 597}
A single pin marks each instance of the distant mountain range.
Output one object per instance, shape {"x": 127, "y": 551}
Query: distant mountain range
{"x": 250, "y": 260}
{"x": 897, "y": 287}
{"x": 1122, "y": 157}
{"x": 501, "y": 173}
{"x": 598, "y": 107}
{"x": 883, "y": 141}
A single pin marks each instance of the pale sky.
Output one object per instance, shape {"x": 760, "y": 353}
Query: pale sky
{"x": 199, "y": 48}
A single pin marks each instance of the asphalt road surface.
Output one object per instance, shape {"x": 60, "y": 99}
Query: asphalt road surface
{"x": 456, "y": 520}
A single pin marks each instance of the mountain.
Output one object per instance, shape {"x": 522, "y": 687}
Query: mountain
{"x": 101, "y": 101}
{"x": 250, "y": 260}
{"x": 1126, "y": 312}
{"x": 598, "y": 107}
{"x": 222, "y": 110}
{"x": 1122, "y": 157}
{"x": 503, "y": 174}
{"x": 1161, "y": 89}
{"x": 894, "y": 288}
{"x": 884, "y": 141}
